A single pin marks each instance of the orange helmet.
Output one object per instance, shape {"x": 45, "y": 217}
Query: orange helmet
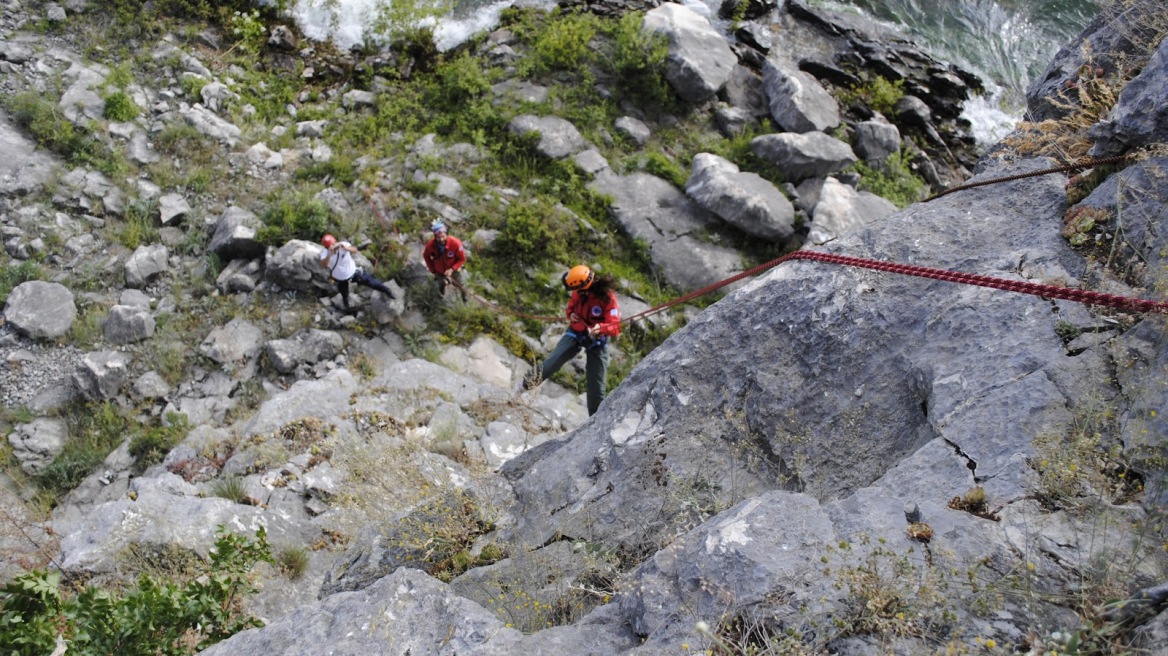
{"x": 327, "y": 241}
{"x": 578, "y": 278}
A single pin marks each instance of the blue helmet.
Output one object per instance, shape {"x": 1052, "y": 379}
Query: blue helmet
{"x": 437, "y": 227}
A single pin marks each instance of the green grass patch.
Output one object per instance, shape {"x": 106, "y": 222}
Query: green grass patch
{"x": 893, "y": 180}
{"x": 12, "y": 275}
{"x": 295, "y": 216}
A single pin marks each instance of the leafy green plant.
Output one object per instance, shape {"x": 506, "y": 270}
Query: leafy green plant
{"x": 119, "y": 106}
{"x": 250, "y": 31}
{"x": 139, "y": 227}
{"x": 154, "y": 617}
{"x": 12, "y": 275}
{"x": 53, "y": 131}
{"x": 878, "y": 93}
{"x": 293, "y": 217}
{"x": 535, "y": 232}
{"x": 894, "y": 180}
{"x": 638, "y": 62}
{"x": 562, "y": 44}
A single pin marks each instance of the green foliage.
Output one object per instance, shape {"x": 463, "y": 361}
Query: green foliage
{"x": 562, "y": 44}
{"x": 139, "y": 227}
{"x": 151, "y": 445}
{"x": 94, "y": 431}
{"x": 53, "y": 131}
{"x": 12, "y": 275}
{"x": 120, "y": 107}
{"x": 338, "y": 170}
{"x": 535, "y": 232}
{"x": 638, "y": 63}
{"x": 662, "y": 166}
{"x": 155, "y": 617}
{"x": 293, "y": 217}
{"x": 406, "y": 21}
{"x": 461, "y": 85}
{"x": 878, "y": 94}
{"x": 250, "y": 31}
{"x": 192, "y": 87}
{"x": 894, "y": 180}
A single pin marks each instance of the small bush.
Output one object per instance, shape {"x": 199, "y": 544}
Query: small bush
{"x": 894, "y": 180}
{"x": 292, "y": 561}
{"x": 153, "y": 617}
{"x": 878, "y": 94}
{"x": 120, "y": 107}
{"x": 293, "y": 217}
{"x": 535, "y": 232}
{"x": 638, "y": 63}
{"x": 562, "y": 44}
{"x": 12, "y": 276}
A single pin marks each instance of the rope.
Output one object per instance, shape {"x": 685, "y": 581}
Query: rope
{"x": 1076, "y": 166}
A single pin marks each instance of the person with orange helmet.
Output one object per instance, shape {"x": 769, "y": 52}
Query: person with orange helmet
{"x": 444, "y": 256}
{"x": 593, "y": 319}
{"x": 338, "y": 259}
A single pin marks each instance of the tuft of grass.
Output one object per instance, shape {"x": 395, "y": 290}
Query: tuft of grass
{"x": 120, "y": 107}
{"x": 292, "y": 561}
{"x": 230, "y": 488}
{"x": 13, "y": 275}
{"x": 293, "y": 216}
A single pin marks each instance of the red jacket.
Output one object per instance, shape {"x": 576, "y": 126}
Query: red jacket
{"x": 594, "y": 310}
{"x": 439, "y": 259}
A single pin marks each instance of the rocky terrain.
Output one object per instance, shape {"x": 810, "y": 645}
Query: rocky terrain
{"x": 827, "y": 460}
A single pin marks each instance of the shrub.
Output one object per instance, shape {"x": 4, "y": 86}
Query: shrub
{"x": 120, "y": 107}
{"x": 293, "y": 217}
{"x": 562, "y": 44}
{"x": 638, "y": 62}
{"x": 154, "y": 617}
{"x": 894, "y": 180}
{"x": 878, "y": 94}
{"x": 535, "y": 231}
{"x": 13, "y": 275}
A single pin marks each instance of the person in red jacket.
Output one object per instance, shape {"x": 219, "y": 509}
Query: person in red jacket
{"x": 444, "y": 258}
{"x": 593, "y": 319}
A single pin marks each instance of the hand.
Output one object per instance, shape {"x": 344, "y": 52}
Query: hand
{"x": 593, "y": 331}
{"x": 447, "y": 274}
{"x": 573, "y": 318}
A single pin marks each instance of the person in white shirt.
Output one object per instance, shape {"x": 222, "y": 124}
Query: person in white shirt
{"x": 338, "y": 259}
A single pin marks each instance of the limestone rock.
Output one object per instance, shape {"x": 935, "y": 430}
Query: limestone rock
{"x": 41, "y": 310}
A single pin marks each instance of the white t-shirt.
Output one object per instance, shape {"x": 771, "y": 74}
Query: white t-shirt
{"x": 341, "y": 263}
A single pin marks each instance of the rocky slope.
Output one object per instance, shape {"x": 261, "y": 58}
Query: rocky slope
{"x": 787, "y": 472}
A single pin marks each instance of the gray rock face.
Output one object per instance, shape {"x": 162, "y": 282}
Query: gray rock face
{"x": 36, "y": 444}
{"x": 100, "y": 376}
{"x": 842, "y": 210}
{"x": 876, "y": 140}
{"x": 801, "y": 156}
{"x": 127, "y": 324}
{"x": 305, "y": 347}
{"x": 744, "y": 200}
{"x": 208, "y": 123}
{"x": 233, "y": 343}
{"x": 296, "y": 265}
{"x": 700, "y": 60}
{"x": 24, "y": 167}
{"x": 145, "y": 264}
{"x": 387, "y": 310}
{"x": 1140, "y": 117}
{"x": 798, "y": 102}
{"x": 427, "y": 619}
{"x": 235, "y": 233}
{"x": 651, "y": 209}
{"x": 172, "y": 209}
{"x": 557, "y": 138}
{"x": 40, "y": 310}
{"x": 634, "y": 129}
{"x": 240, "y": 276}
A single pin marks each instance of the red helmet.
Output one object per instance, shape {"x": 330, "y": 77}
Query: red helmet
{"x": 578, "y": 277}
{"x": 327, "y": 241}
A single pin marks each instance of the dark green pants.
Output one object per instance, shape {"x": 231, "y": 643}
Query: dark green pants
{"x": 596, "y": 368}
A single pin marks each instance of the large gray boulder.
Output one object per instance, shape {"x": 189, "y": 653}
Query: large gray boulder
{"x": 36, "y": 444}
{"x": 558, "y": 138}
{"x": 1140, "y": 117}
{"x": 127, "y": 324}
{"x": 305, "y": 347}
{"x": 235, "y": 235}
{"x": 798, "y": 103}
{"x": 700, "y": 60}
{"x": 801, "y": 156}
{"x": 233, "y": 343}
{"x": 655, "y": 211}
{"x": 296, "y": 265}
{"x": 100, "y": 375}
{"x": 876, "y": 139}
{"x": 842, "y": 210}
{"x": 145, "y": 264}
{"x": 40, "y": 310}
{"x": 745, "y": 200}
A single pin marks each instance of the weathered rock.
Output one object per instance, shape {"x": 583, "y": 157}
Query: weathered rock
{"x": 842, "y": 210}
{"x": 305, "y": 347}
{"x": 40, "y": 310}
{"x": 633, "y": 129}
{"x": 36, "y": 444}
{"x": 172, "y": 209}
{"x": 296, "y": 265}
{"x": 358, "y": 99}
{"x": 145, "y": 264}
{"x": 240, "y": 276}
{"x": 700, "y": 60}
{"x": 216, "y": 95}
{"x": 651, "y": 209}
{"x": 798, "y": 103}
{"x": 235, "y": 235}
{"x": 149, "y": 386}
{"x": 210, "y": 124}
{"x": 1138, "y": 118}
{"x": 876, "y": 140}
{"x": 233, "y": 343}
{"x": 557, "y": 138}
{"x": 801, "y": 156}
{"x": 127, "y": 324}
{"x": 100, "y": 375}
{"x": 24, "y": 167}
{"x": 744, "y": 200}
